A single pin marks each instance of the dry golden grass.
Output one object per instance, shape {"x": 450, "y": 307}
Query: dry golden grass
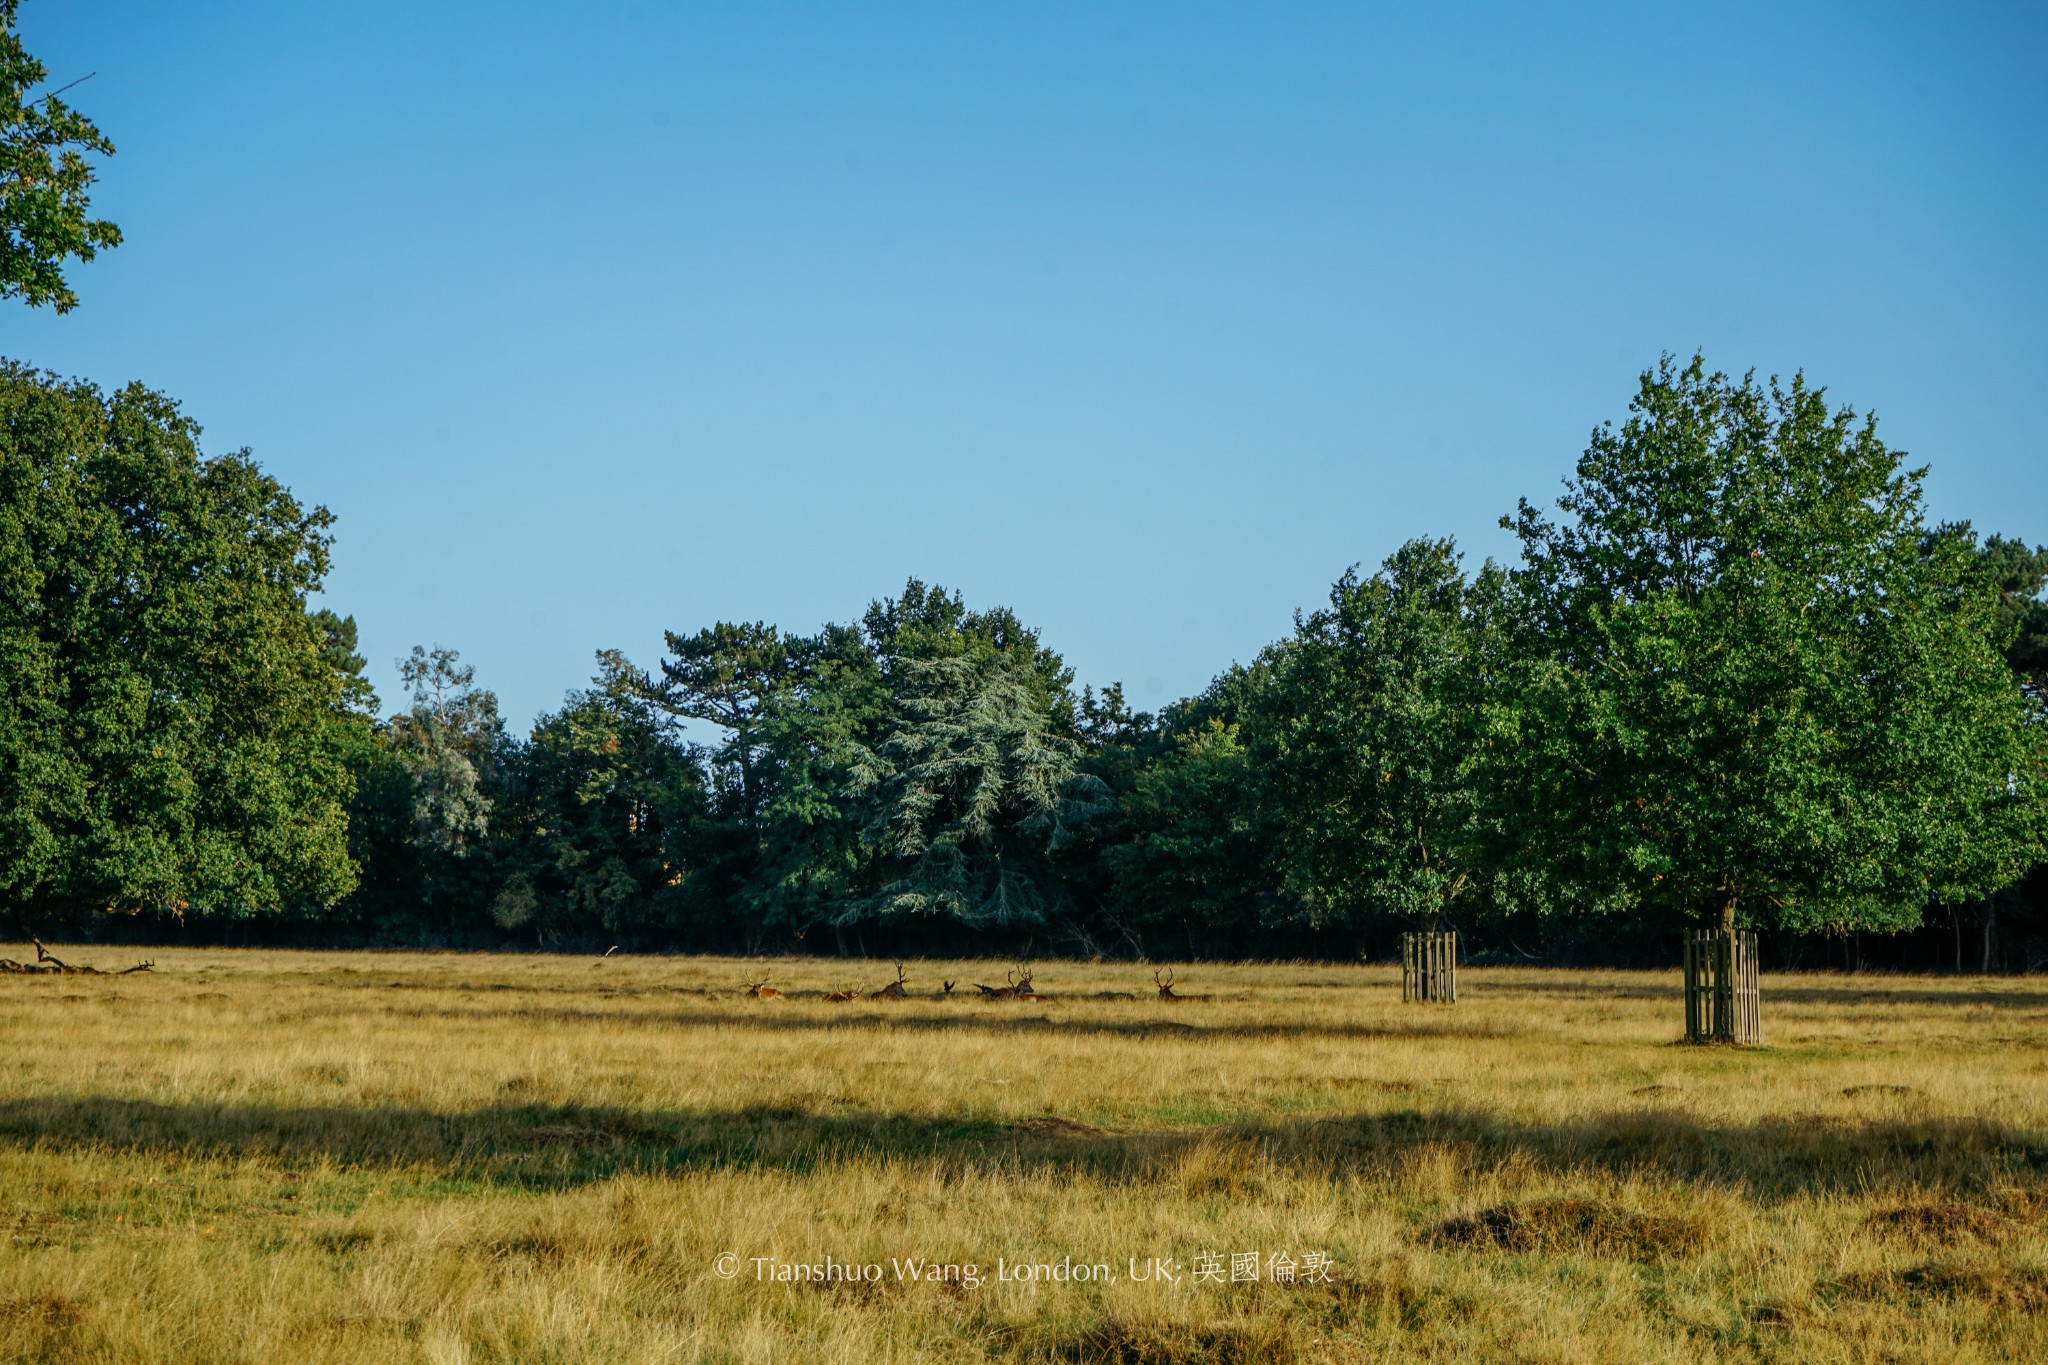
{"x": 307, "y": 1157}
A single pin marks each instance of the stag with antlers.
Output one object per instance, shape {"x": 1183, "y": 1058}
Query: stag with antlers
{"x": 48, "y": 963}
{"x": 1020, "y": 987}
{"x": 1166, "y": 987}
{"x": 894, "y": 990}
{"x": 761, "y": 990}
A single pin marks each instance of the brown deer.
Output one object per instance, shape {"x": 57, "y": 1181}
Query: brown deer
{"x": 947, "y": 993}
{"x": 1020, "y": 987}
{"x": 49, "y": 964}
{"x": 1166, "y": 987}
{"x": 761, "y": 990}
{"x": 842, "y": 997}
{"x": 894, "y": 990}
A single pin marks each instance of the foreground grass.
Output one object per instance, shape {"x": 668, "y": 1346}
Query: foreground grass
{"x": 373, "y": 1157}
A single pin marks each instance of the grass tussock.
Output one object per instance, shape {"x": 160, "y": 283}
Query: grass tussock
{"x": 1949, "y": 1222}
{"x": 256, "y": 1156}
{"x": 1575, "y": 1227}
{"x": 1996, "y": 1285}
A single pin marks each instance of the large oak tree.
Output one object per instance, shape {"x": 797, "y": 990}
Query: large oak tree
{"x": 171, "y": 718}
{"x": 1755, "y": 685}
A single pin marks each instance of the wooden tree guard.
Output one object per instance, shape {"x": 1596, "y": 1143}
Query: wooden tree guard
{"x": 1429, "y": 967}
{"x": 1722, "y": 1002}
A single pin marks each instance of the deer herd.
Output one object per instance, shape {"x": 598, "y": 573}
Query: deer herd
{"x": 1017, "y": 986}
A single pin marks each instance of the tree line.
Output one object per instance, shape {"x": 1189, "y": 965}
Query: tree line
{"x": 1735, "y": 676}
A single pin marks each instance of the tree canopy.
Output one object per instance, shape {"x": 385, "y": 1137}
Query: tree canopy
{"x": 168, "y": 708}
{"x": 45, "y": 181}
{"x": 1751, "y": 683}
{"x": 1368, "y": 739}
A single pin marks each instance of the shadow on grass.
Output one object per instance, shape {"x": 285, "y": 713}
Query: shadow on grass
{"x": 918, "y": 1016}
{"x": 1850, "y": 991}
{"x": 553, "y": 1147}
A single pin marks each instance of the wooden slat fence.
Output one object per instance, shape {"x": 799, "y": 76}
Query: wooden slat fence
{"x": 1429, "y": 967}
{"x": 1722, "y": 1001}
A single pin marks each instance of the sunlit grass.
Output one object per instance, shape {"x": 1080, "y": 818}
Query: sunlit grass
{"x": 324, "y": 1156}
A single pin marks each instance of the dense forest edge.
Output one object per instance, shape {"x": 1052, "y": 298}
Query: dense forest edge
{"x": 1735, "y": 677}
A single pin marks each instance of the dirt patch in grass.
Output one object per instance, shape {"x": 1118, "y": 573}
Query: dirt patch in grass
{"x": 1942, "y": 1223}
{"x": 1583, "y": 1226}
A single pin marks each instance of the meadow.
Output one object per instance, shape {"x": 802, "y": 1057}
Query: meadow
{"x": 259, "y": 1156}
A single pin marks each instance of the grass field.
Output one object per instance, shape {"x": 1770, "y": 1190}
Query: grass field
{"x": 305, "y": 1157}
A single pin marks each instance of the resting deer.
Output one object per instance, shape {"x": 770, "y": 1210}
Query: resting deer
{"x": 946, "y": 993}
{"x": 1166, "y": 987}
{"x": 761, "y": 990}
{"x": 47, "y": 963}
{"x": 894, "y": 990}
{"x": 1020, "y": 987}
{"x": 842, "y": 997}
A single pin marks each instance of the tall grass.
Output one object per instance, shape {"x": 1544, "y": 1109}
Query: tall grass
{"x": 269, "y": 1156}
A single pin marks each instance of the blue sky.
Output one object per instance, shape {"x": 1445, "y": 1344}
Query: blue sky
{"x": 590, "y": 321}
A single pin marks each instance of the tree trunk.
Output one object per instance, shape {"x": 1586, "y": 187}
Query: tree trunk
{"x": 1728, "y": 915}
{"x": 1990, "y": 935}
{"x": 839, "y": 936}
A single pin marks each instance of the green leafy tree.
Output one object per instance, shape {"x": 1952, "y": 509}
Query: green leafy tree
{"x": 169, "y": 733}
{"x": 44, "y": 181}
{"x": 730, "y": 675}
{"x": 1365, "y": 745}
{"x": 817, "y": 861}
{"x": 976, "y": 787}
{"x": 1189, "y": 858}
{"x": 606, "y": 797}
{"x": 452, "y": 741}
{"x": 338, "y": 634}
{"x": 1752, "y": 686}
{"x": 737, "y": 678}
{"x": 975, "y": 782}
{"x": 2020, "y": 626}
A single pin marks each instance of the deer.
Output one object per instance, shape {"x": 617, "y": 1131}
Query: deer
{"x": 761, "y": 990}
{"x": 842, "y": 997}
{"x": 1166, "y": 987}
{"x": 894, "y": 990}
{"x": 947, "y": 993}
{"x": 1020, "y": 987}
{"x": 48, "y": 963}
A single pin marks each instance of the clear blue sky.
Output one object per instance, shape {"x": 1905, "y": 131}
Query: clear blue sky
{"x": 592, "y": 320}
